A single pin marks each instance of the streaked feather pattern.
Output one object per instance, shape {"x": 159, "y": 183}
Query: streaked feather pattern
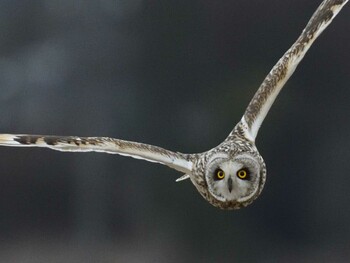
{"x": 151, "y": 153}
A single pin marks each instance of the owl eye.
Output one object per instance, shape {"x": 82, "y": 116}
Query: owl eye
{"x": 243, "y": 174}
{"x": 219, "y": 174}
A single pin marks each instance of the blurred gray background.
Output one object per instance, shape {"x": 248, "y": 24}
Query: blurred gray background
{"x": 177, "y": 74}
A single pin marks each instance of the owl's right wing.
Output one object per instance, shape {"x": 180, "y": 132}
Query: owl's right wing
{"x": 280, "y": 73}
{"x": 175, "y": 160}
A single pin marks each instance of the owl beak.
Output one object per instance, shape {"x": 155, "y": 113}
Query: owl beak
{"x": 229, "y": 181}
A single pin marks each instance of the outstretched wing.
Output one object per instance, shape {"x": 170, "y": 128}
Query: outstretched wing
{"x": 177, "y": 161}
{"x": 280, "y": 73}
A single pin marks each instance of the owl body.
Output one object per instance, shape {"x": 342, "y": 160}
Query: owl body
{"x": 233, "y": 155}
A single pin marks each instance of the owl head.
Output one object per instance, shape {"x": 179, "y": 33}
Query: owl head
{"x": 232, "y": 180}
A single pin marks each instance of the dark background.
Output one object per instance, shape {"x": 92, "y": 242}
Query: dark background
{"x": 177, "y": 74}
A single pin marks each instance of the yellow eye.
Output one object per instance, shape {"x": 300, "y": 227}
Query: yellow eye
{"x": 242, "y": 174}
{"x": 220, "y": 174}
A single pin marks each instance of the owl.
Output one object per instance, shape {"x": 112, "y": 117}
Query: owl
{"x": 231, "y": 175}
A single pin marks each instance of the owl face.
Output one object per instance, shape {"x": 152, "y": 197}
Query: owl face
{"x": 233, "y": 179}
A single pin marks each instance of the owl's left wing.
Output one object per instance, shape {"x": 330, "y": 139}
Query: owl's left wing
{"x": 280, "y": 73}
{"x": 175, "y": 160}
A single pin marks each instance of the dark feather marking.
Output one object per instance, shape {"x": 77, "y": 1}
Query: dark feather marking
{"x": 26, "y": 139}
{"x": 51, "y": 140}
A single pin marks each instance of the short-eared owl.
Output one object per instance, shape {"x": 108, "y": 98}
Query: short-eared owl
{"x": 231, "y": 175}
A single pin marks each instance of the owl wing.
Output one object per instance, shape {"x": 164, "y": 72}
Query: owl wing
{"x": 177, "y": 161}
{"x": 280, "y": 73}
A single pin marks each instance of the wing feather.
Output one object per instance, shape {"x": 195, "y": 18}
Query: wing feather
{"x": 177, "y": 161}
{"x": 280, "y": 73}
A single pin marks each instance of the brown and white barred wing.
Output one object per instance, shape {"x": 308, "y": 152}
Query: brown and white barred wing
{"x": 136, "y": 150}
{"x": 280, "y": 73}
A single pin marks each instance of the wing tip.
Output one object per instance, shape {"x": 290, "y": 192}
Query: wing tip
{"x": 182, "y": 178}
{"x": 8, "y": 139}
